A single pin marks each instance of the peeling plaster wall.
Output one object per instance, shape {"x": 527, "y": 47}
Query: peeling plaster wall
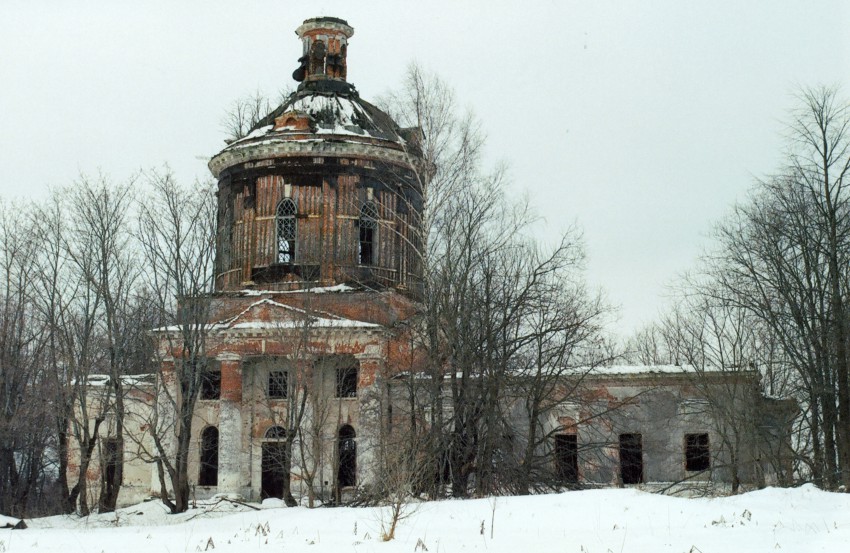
{"x": 137, "y": 484}
{"x": 244, "y": 413}
{"x": 661, "y": 408}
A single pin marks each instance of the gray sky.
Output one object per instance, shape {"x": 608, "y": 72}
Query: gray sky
{"x": 641, "y": 121}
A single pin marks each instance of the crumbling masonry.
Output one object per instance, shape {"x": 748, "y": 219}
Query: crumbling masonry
{"x": 316, "y": 273}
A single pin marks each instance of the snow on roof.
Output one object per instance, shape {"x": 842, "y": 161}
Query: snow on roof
{"x": 658, "y": 369}
{"x": 304, "y": 319}
{"x": 339, "y": 288}
{"x": 280, "y": 138}
{"x": 97, "y": 380}
{"x": 334, "y": 114}
{"x": 614, "y": 370}
{"x": 308, "y": 319}
{"x": 314, "y": 323}
{"x": 645, "y": 369}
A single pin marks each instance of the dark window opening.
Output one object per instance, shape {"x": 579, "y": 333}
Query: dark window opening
{"x": 566, "y": 458}
{"x": 278, "y": 272}
{"x": 287, "y": 231}
{"x": 249, "y": 195}
{"x": 277, "y": 385}
{"x": 347, "y": 457}
{"x": 365, "y": 249}
{"x": 317, "y": 57}
{"x": 111, "y": 461}
{"x": 274, "y": 480}
{"x": 346, "y": 382}
{"x": 368, "y": 224}
{"x": 208, "y": 475}
{"x": 697, "y": 455}
{"x": 211, "y": 385}
{"x": 631, "y": 458}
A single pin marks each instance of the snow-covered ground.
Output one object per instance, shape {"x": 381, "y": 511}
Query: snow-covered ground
{"x": 804, "y": 519}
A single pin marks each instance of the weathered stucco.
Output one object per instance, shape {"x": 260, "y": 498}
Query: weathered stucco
{"x": 332, "y": 155}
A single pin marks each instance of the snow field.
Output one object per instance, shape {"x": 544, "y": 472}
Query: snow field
{"x": 800, "y": 520}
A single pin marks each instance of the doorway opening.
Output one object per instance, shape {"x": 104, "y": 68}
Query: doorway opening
{"x": 631, "y": 458}
{"x": 208, "y": 474}
{"x": 347, "y": 457}
{"x": 566, "y": 458}
{"x": 275, "y": 464}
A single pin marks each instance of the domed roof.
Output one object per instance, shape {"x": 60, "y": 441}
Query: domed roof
{"x": 325, "y": 116}
{"x": 331, "y": 110}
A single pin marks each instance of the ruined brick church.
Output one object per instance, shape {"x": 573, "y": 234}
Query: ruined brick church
{"x": 317, "y": 209}
{"x": 316, "y": 272}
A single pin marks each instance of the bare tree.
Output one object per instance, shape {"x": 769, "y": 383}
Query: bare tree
{"x": 102, "y": 250}
{"x": 177, "y": 235}
{"x": 403, "y": 474}
{"x": 562, "y": 348}
{"x": 445, "y": 149}
{"x": 720, "y": 342}
{"x": 24, "y": 386}
{"x": 648, "y": 346}
{"x": 68, "y": 308}
{"x": 300, "y": 380}
{"x": 245, "y": 112}
{"x": 784, "y": 256}
{"x": 486, "y": 288}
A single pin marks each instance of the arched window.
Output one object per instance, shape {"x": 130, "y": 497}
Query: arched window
{"x": 276, "y": 433}
{"x": 368, "y": 226}
{"x": 208, "y": 475}
{"x": 286, "y": 231}
{"x": 347, "y": 456}
{"x": 317, "y": 58}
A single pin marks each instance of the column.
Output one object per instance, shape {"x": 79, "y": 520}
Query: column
{"x": 230, "y": 446}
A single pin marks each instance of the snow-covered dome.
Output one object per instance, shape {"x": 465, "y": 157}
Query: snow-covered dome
{"x": 325, "y": 116}
{"x": 338, "y": 111}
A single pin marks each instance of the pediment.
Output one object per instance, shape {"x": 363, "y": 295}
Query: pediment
{"x": 267, "y": 314}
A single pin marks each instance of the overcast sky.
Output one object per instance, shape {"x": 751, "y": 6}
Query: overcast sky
{"x": 641, "y": 121}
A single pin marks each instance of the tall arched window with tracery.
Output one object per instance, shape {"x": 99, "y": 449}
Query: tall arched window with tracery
{"x": 368, "y": 229}
{"x": 287, "y": 230}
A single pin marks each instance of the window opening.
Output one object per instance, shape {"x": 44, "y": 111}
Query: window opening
{"x": 631, "y": 459}
{"x": 346, "y": 382}
{"x": 347, "y": 456}
{"x": 368, "y": 226}
{"x": 697, "y": 454}
{"x": 277, "y": 385}
{"x": 211, "y": 385}
{"x": 566, "y": 458}
{"x": 111, "y": 461}
{"x": 208, "y": 475}
{"x": 317, "y": 58}
{"x": 286, "y": 231}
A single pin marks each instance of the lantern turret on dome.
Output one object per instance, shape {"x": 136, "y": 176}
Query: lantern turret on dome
{"x": 325, "y": 41}
{"x": 330, "y": 156}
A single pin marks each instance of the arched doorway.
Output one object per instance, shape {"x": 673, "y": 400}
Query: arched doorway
{"x": 275, "y": 464}
{"x": 208, "y": 473}
{"x": 347, "y": 457}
